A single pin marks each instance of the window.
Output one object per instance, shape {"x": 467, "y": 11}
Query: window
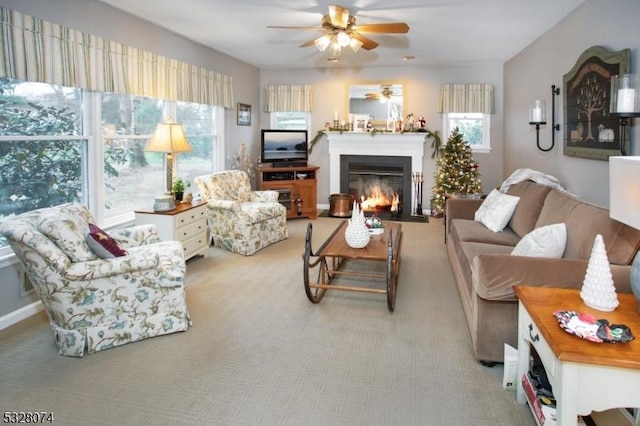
{"x": 53, "y": 151}
{"x": 291, "y": 120}
{"x": 474, "y": 126}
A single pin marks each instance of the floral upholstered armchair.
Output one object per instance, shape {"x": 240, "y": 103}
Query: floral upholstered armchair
{"x": 241, "y": 220}
{"x": 96, "y": 301}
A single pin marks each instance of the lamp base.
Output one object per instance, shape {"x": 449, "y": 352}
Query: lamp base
{"x": 635, "y": 280}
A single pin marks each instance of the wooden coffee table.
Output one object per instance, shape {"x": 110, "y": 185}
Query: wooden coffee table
{"x": 330, "y": 261}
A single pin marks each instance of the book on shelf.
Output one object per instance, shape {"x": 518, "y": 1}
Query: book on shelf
{"x": 541, "y": 403}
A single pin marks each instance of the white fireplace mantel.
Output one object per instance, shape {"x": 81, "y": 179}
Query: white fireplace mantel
{"x": 379, "y": 144}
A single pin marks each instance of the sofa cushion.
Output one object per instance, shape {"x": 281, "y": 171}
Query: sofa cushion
{"x": 546, "y": 241}
{"x": 585, "y": 221}
{"x": 496, "y": 210}
{"x": 532, "y": 196}
{"x": 469, "y": 230}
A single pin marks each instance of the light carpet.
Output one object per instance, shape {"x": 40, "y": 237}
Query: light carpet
{"x": 259, "y": 353}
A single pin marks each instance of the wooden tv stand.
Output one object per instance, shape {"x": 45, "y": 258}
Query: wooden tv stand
{"x": 292, "y": 183}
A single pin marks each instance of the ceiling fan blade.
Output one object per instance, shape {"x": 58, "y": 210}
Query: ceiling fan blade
{"x": 339, "y": 16}
{"x": 309, "y": 43}
{"x": 367, "y": 43}
{"x": 392, "y": 27}
{"x": 296, "y": 28}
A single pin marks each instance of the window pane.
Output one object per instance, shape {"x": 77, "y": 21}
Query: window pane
{"x": 471, "y": 129}
{"x": 132, "y": 176}
{"x": 199, "y": 126}
{"x": 291, "y": 120}
{"x": 37, "y": 173}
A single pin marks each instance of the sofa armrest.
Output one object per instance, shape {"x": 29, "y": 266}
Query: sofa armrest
{"x": 494, "y": 275}
{"x": 461, "y": 208}
{"x": 230, "y": 205}
{"x": 266, "y": 196}
{"x": 135, "y": 236}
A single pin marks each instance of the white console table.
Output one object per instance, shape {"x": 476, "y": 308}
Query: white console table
{"x": 585, "y": 376}
{"x": 186, "y": 223}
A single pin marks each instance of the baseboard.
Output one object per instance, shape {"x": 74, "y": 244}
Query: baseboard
{"x": 20, "y": 314}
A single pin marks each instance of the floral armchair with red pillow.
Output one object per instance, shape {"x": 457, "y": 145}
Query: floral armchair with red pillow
{"x": 132, "y": 290}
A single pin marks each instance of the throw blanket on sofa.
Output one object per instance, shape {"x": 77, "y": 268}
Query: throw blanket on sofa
{"x": 532, "y": 175}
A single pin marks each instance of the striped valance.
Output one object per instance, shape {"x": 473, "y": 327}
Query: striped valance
{"x": 467, "y": 97}
{"x": 37, "y": 50}
{"x": 289, "y": 98}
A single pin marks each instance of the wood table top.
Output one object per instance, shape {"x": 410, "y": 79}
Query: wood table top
{"x": 336, "y": 245}
{"x": 542, "y": 302}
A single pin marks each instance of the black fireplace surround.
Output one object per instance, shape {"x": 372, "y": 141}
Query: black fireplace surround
{"x": 395, "y": 170}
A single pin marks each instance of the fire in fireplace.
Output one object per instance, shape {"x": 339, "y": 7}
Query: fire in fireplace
{"x": 380, "y": 184}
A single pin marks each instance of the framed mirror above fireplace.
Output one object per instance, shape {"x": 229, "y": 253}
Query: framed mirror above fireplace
{"x": 382, "y": 101}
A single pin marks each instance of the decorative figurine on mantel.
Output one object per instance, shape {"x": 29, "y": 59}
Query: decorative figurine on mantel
{"x": 598, "y": 290}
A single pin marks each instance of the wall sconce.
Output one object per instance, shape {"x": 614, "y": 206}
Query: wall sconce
{"x": 537, "y": 117}
{"x": 168, "y": 138}
{"x": 555, "y": 127}
{"x": 625, "y": 103}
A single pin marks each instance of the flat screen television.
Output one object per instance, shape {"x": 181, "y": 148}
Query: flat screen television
{"x": 284, "y": 148}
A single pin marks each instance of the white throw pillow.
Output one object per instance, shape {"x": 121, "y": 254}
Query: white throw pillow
{"x": 546, "y": 241}
{"x": 496, "y": 210}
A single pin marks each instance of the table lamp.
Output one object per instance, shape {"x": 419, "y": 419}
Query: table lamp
{"x": 168, "y": 138}
{"x": 624, "y": 204}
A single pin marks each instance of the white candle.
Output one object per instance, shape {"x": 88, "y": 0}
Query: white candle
{"x": 335, "y": 115}
{"x": 626, "y": 100}
{"x": 536, "y": 115}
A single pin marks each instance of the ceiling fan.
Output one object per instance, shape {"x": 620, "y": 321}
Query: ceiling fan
{"x": 383, "y": 95}
{"x": 340, "y": 30}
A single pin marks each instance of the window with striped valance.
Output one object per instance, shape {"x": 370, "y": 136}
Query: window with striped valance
{"x": 40, "y": 51}
{"x": 293, "y": 98}
{"x": 466, "y": 97}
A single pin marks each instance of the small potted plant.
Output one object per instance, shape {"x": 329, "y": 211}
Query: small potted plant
{"x": 178, "y": 188}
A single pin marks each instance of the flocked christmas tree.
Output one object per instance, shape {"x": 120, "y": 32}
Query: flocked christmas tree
{"x": 456, "y": 172}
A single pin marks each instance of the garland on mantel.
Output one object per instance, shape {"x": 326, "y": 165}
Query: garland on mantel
{"x": 436, "y": 144}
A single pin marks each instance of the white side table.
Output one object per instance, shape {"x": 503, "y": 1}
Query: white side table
{"x": 585, "y": 376}
{"x": 186, "y": 223}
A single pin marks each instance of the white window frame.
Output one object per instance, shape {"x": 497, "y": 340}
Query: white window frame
{"x": 485, "y": 147}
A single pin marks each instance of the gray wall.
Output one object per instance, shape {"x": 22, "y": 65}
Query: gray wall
{"x": 102, "y": 20}
{"x": 421, "y": 91}
{"x": 529, "y": 75}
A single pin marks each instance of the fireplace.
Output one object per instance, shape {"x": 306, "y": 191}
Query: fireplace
{"x": 380, "y": 184}
{"x": 386, "y": 148}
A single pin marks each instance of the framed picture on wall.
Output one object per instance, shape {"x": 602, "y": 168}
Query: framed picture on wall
{"x": 589, "y": 130}
{"x": 244, "y": 115}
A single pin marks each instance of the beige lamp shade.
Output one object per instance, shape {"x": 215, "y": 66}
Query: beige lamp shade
{"x": 624, "y": 190}
{"x": 169, "y": 137}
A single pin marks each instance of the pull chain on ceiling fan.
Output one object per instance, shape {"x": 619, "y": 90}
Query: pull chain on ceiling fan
{"x": 340, "y": 30}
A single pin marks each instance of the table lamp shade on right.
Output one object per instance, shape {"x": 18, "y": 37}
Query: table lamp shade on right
{"x": 624, "y": 203}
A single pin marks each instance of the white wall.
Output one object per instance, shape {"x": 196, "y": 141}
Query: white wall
{"x": 421, "y": 91}
{"x": 529, "y": 75}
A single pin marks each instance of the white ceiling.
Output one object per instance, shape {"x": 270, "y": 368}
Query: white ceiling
{"x": 442, "y": 32}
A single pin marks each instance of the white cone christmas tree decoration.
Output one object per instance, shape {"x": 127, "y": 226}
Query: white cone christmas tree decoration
{"x": 598, "y": 290}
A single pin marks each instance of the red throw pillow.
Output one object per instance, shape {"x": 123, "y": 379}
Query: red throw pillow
{"x": 102, "y": 244}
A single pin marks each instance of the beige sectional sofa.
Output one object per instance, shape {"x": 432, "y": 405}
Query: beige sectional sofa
{"x": 485, "y": 271}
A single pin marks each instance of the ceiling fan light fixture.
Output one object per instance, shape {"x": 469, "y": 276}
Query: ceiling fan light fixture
{"x": 335, "y": 50}
{"x": 343, "y": 39}
{"x": 322, "y": 42}
{"x": 355, "y": 44}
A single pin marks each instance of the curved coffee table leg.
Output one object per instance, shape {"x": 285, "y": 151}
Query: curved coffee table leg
{"x": 313, "y": 294}
{"x": 391, "y": 275}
